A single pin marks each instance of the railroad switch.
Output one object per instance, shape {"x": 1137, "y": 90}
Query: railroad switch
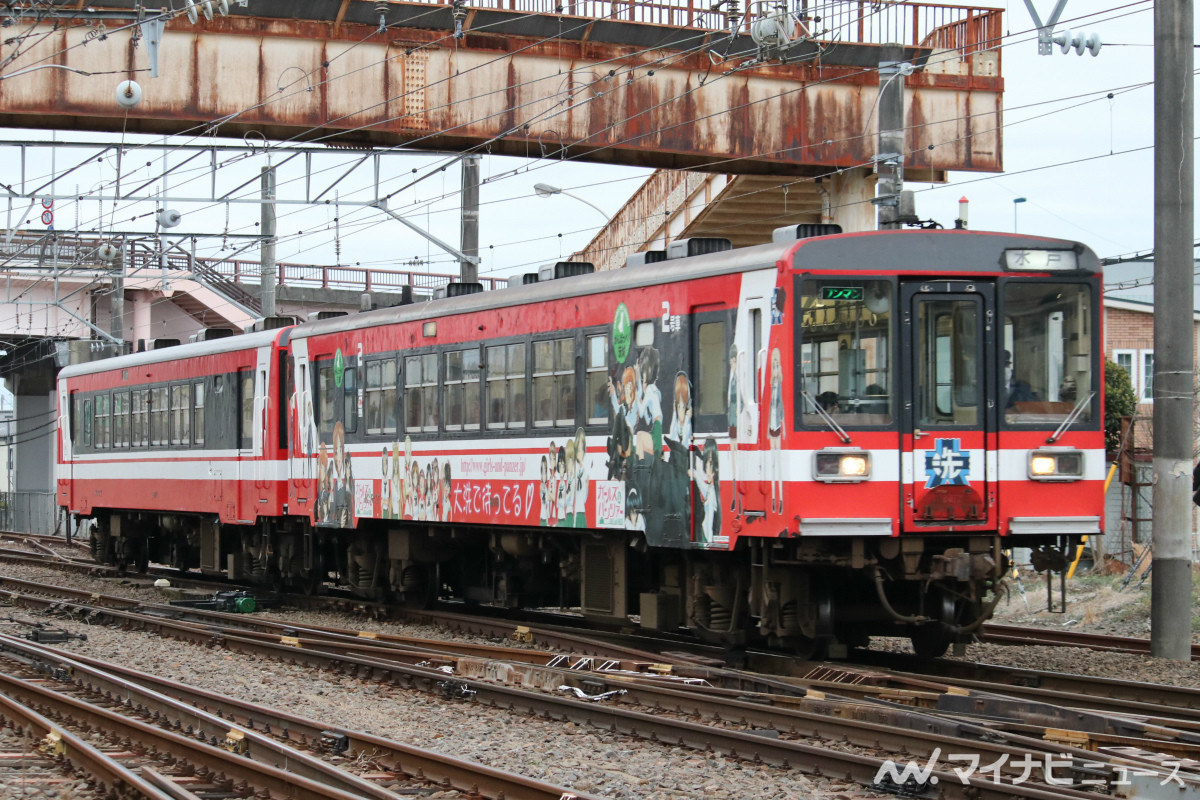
{"x": 240, "y": 602}
{"x": 44, "y": 635}
{"x": 333, "y": 742}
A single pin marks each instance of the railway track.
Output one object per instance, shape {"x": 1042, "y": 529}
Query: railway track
{"x": 768, "y": 727}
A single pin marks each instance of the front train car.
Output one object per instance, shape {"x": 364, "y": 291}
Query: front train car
{"x": 805, "y": 443}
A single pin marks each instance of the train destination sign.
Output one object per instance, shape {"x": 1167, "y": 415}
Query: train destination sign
{"x": 841, "y": 293}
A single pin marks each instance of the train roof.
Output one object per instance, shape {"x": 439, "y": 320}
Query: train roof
{"x": 702, "y": 266}
{"x": 228, "y": 344}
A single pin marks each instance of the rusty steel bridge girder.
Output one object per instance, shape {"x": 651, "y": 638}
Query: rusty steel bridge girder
{"x": 605, "y": 90}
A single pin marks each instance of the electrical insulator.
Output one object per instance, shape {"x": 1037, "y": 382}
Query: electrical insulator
{"x": 381, "y": 9}
{"x": 459, "y": 12}
{"x": 1080, "y": 41}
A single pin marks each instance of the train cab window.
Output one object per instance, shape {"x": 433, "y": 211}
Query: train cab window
{"x": 181, "y": 413}
{"x": 712, "y": 357}
{"x": 246, "y": 404}
{"x": 596, "y": 380}
{"x": 350, "y": 399}
{"x": 81, "y": 420}
{"x": 554, "y": 382}
{"x": 158, "y": 416}
{"x": 197, "y": 413}
{"x": 420, "y": 392}
{"x": 506, "y": 386}
{"x": 120, "y": 417}
{"x": 103, "y": 421}
{"x": 846, "y": 332}
{"x": 461, "y": 394}
{"x": 140, "y": 418}
{"x": 1045, "y": 363}
{"x": 381, "y": 396}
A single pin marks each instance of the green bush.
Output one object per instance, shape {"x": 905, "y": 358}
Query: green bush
{"x": 1119, "y": 401}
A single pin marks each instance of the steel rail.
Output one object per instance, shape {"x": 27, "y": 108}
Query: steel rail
{"x": 77, "y": 753}
{"x": 1015, "y": 635}
{"x": 186, "y": 748}
{"x": 188, "y": 707}
{"x": 751, "y": 745}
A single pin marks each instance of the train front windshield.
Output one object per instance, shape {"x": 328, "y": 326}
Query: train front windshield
{"x": 1046, "y": 364}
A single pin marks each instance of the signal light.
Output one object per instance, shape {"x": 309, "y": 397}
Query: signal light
{"x": 1079, "y": 41}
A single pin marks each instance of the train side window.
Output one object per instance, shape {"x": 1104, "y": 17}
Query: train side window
{"x": 420, "y": 392}
{"x": 461, "y": 394}
{"x": 381, "y": 396}
{"x": 88, "y": 422}
{"x": 756, "y": 344}
{"x": 198, "y": 413}
{"x": 140, "y": 418}
{"x": 246, "y": 403}
{"x": 506, "y": 386}
{"x": 596, "y": 380}
{"x": 103, "y": 421}
{"x": 350, "y": 399}
{"x": 181, "y": 409}
{"x": 120, "y": 420}
{"x": 325, "y": 408}
{"x": 158, "y": 416}
{"x": 712, "y": 356}
{"x": 554, "y": 382}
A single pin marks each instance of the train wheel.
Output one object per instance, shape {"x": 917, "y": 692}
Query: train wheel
{"x": 807, "y": 648}
{"x": 418, "y": 585}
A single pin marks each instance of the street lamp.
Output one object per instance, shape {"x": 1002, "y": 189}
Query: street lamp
{"x": 546, "y": 190}
{"x": 1016, "y": 203}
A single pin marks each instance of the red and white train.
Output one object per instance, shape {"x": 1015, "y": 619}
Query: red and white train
{"x": 806, "y": 442}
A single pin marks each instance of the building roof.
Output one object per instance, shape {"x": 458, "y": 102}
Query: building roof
{"x": 1133, "y": 282}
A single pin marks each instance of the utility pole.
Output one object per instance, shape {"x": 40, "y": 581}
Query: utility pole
{"x": 1174, "y": 403}
{"x": 889, "y": 151}
{"x": 116, "y": 323}
{"x": 469, "y": 270}
{"x": 266, "y": 279}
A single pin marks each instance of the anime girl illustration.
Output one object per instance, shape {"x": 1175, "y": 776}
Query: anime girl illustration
{"x": 446, "y": 503}
{"x": 708, "y": 492}
{"x": 568, "y": 479}
{"x": 435, "y": 492}
{"x": 648, "y": 404}
{"x": 681, "y": 420}
{"x": 581, "y": 481}
{"x": 560, "y": 487}
{"x": 775, "y": 432}
{"x": 623, "y": 396}
{"x": 544, "y": 493}
{"x": 734, "y": 411}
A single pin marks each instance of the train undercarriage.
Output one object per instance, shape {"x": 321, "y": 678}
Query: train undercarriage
{"x": 808, "y": 596}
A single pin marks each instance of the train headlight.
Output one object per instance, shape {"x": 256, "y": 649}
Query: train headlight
{"x": 1055, "y": 465}
{"x": 835, "y": 465}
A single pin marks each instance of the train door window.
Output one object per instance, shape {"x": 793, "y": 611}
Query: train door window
{"x": 596, "y": 392}
{"x": 948, "y": 377}
{"x": 198, "y": 413}
{"x": 140, "y": 418}
{"x": 381, "y": 396}
{"x": 158, "y": 416}
{"x": 420, "y": 392}
{"x": 103, "y": 421}
{"x": 461, "y": 393}
{"x": 506, "y": 386}
{"x": 350, "y": 399}
{"x": 120, "y": 416}
{"x": 181, "y": 413}
{"x": 846, "y": 334}
{"x": 712, "y": 357}
{"x": 81, "y": 424}
{"x": 325, "y": 407}
{"x": 284, "y": 379}
{"x": 246, "y": 404}
{"x": 1045, "y": 367}
{"x": 554, "y": 382}
{"x": 756, "y": 345}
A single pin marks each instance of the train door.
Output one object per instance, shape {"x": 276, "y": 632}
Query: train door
{"x": 750, "y": 337}
{"x": 263, "y": 460}
{"x": 948, "y": 454}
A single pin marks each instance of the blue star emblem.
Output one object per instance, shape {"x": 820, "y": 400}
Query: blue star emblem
{"x": 948, "y": 465}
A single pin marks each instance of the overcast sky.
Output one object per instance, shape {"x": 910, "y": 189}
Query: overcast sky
{"x": 1082, "y": 161}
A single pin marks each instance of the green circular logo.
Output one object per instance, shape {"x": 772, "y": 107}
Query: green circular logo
{"x": 339, "y": 367}
{"x": 622, "y": 333}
